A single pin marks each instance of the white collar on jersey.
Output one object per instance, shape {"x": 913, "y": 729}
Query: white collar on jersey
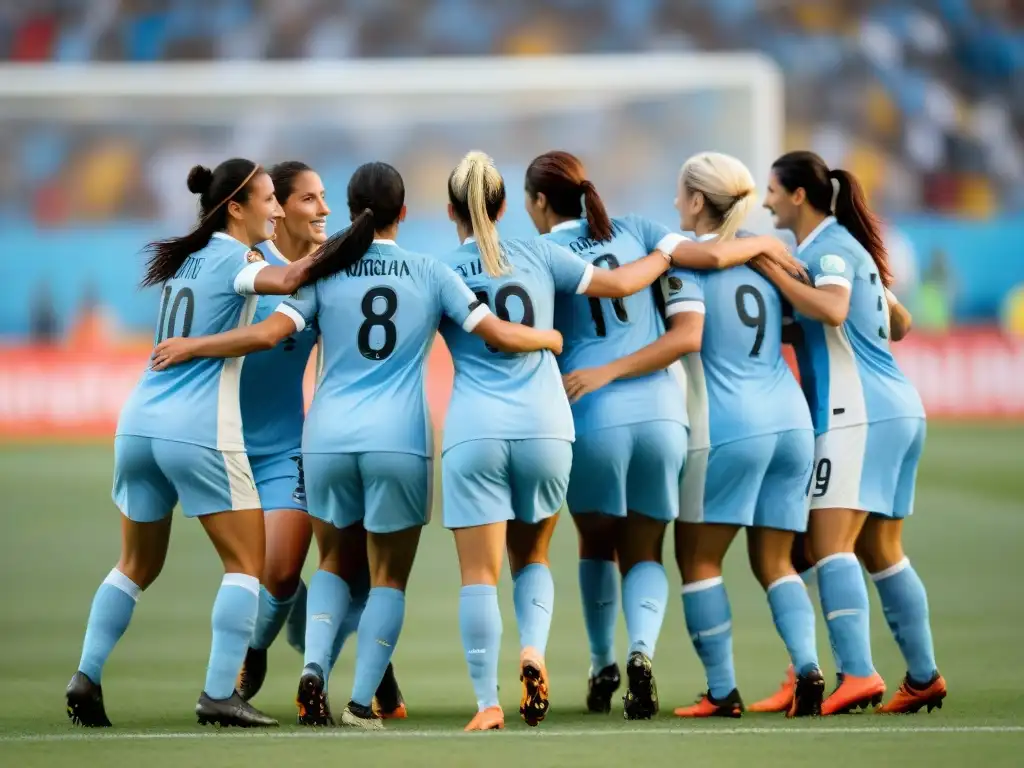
{"x": 705, "y": 237}
{"x": 226, "y": 236}
{"x": 469, "y": 239}
{"x": 828, "y": 220}
{"x": 384, "y": 241}
{"x": 567, "y": 224}
{"x": 276, "y": 251}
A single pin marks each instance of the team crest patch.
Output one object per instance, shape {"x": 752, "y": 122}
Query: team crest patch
{"x": 253, "y": 256}
{"x": 833, "y": 264}
{"x": 675, "y": 285}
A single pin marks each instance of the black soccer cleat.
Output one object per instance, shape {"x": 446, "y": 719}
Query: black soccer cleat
{"x": 809, "y": 693}
{"x": 601, "y": 687}
{"x": 358, "y": 716}
{"x": 254, "y": 672}
{"x": 85, "y": 702}
{"x": 641, "y": 699}
{"x": 231, "y": 712}
{"x": 312, "y": 698}
{"x": 388, "y": 702}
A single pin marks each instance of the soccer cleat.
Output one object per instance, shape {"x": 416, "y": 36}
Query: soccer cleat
{"x": 233, "y": 711}
{"x": 490, "y": 719}
{"x": 358, "y": 716}
{"x": 601, "y": 687}
{"x": 533, "y": 704}
{"x": 312, "y": 698}
{"x": 252, "y": 674}
{"x": 709, "y": 706}
{"x": 911, "y": 698}
{"x": 388, "y": 703}
{"x": 641, "y": 699}
{"x": 85, "y": 702}
{"x": 782, "y": 699}
{"x": 808, "y": 694}
{"x": 853, "y": 693}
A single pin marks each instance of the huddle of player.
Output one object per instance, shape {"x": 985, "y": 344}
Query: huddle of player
{"x": 635, "y": 314}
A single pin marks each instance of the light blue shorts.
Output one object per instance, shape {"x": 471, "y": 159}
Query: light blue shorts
{"x": 386, "y": 492}
{"x": 488, "y": 481}
{"x": 152, "y": 475}
{"x": 870, "y": 467}
{"x": 635, "y": 467}
{"x": 759, "y": 481}
{"x": 279, "y": 480}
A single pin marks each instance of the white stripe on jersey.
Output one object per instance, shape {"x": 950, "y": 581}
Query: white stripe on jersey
{"x": 697, "y": 402}
{"x": 229, "y": 404}
{"x": 689, "y": 305}
{"x": 845, "y": 391}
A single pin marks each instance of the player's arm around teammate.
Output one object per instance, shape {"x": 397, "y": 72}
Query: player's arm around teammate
{"x": 179, "y": 437}
{"x": 870, "y": 429}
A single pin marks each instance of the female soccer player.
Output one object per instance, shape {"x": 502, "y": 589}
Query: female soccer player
{"x": 272, "y": 414}
{"x": 508, "y": 435}
{"x": 366, "y": 444}
{"x": 869, "y": 425}
{"x": 179, "y": 437}
{"x": 631, "y": 433}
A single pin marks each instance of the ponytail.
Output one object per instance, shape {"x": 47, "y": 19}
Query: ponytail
{"x": 477, "y": 192}
{"x": 733, "y": 219}
{"x": 598, "y": 222}
{"x": 343, "y": 249}
{"x": 851, "y": 211}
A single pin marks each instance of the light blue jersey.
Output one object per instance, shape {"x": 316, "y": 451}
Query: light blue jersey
{"x": 377, "y": 321}
{"x": 738, "y": 384}
{"x": 505, "y": 396}
{"x": 273, "y": 407}
{"x": 848, "y": 373}
{"x": 199, "y": 401}
{"x": 598, "y": 331}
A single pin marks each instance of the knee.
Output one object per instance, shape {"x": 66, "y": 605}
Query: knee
{"x": 596, "y": 543}
{"x": 879, "y": 555}
{"x": 281, "y": 578}
{"x": 141, "y": 572}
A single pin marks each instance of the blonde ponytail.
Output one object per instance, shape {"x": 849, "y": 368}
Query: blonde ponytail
{"x": 477, "y": 192}
{"x": 727, "y": 186}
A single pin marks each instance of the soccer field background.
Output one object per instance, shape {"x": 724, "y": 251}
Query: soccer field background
{"x": 60, "y": 537}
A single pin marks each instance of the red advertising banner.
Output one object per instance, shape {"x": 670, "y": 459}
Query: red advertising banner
{"x": 68, "y": 394}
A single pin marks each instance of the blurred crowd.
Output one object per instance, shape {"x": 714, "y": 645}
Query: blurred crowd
{"x": 924, "y": 100}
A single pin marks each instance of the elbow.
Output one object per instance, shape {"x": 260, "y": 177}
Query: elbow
{"x": 834, "y": 317}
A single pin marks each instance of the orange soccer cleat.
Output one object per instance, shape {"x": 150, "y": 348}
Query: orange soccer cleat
{"x": 388, "y": 703}
{"x": 707, "y": 706}
{"x": 533, "y": 704}
{"x": 490, "y": 719}
{"x": 854, "y": 692}
{"x": 782, "y": 699}
{"x": 910, "y": 699}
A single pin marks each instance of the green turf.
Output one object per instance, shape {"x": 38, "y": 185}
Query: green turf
{"x": 60, "y": 537}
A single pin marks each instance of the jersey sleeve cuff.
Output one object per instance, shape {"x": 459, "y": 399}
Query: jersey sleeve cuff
{"x": 293, "y": 314}
{"x": 245, "y": 281}
{"x": 668, "y": 243}
{"x": 822, "y": 280}
{"x": 687, "y": 305}
{"x": 474, "y": 318}
{"x": 588, "y": 275}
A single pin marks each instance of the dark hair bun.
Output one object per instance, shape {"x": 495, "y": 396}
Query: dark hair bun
{"x": 199, "y": 180}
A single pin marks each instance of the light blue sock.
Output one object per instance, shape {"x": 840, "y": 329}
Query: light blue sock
{"x": 270, "y": 619}
{"x": 844, "y": 599}
{"x": 349, "y": 624}
{"x": 234, "y": 618}
{"x": 379, "y": 630}
{"x": 709, "y": 622}
{"x": 793, "y": 614}
{"x": 599, "y": 593}
{"x": 810, "y": 579}
{"x": 295, "y": 627}
{"x": 905, "y": 604}
{"x": 480, "y": 627}
{"x": 111, "y": 611}
{"x": 644, "y": 594}
{"x": 326, "y": 605}
{"x": 533, "y": 594}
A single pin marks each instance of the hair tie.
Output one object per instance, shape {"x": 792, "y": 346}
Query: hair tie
{"x": 836, "y": 186}
{"x": 239, "y": 188}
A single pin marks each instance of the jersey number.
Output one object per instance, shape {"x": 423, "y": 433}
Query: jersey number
{"x": 756, "y": 321}
{"x": 883, "y": 306}
{"x": 501, "y": 305}
{"x": 389, "y": 299}
{"x": 609, "y": 261}
{"x": 185, "y": 297}
{"x": 822, "y": 477}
